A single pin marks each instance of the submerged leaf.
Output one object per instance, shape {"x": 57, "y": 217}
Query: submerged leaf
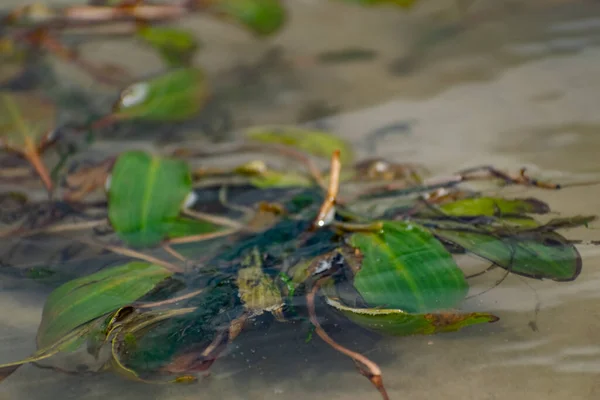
{"x": 175, "y": 96}
{"x": 318, "y": 143}
{"x": 400, "y": 323}
{"x": 405, "y": 267}
{"x": 176, "y": 46}
{"x": 494, "y": 206}
{"x": 64, "y": 343}
{"x": 533, "y": 254}
{"x": 262, "y": 17}
{"x": 146, "y": 195}
{"x": 84, "y": 299}
{"x": 256, "y": 289}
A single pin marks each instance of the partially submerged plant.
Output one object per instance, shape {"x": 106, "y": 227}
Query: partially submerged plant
{"x": 390, "y": 271}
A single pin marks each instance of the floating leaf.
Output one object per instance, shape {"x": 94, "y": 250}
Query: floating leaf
{"x": 84, "y": 299}
{"x": 26, "y": 121}
{"x": 256, "y": 289}
{"x": 400, "y": 323}
{"x": 530, "y": 253}
{"x": 175, "y": 96}
{"x": 176, "y": 46}
{"x": 146, "y": 195}
{"x": 494, "y": 206}
{"x": 405, "y": 267}
{"x": 318, "y": 143}
{"x": 262, "y": 17}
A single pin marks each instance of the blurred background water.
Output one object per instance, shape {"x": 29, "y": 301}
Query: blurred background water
{"x": 509, "y": 83}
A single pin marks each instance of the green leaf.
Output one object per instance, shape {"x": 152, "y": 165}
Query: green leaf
{"x": 405, "y": 267}
{"x": 176, "y": 46}
{"x": 494, "y": 206}
{"x": 533, "y": 254}
{"x": 175, "y": 96}
{"x": 146, "y": 195}
{"x": 262, "y": 17}
{"x": 400, "y": 323}
{"x": 318, "y": 143}
{"x": 84, "y": 299}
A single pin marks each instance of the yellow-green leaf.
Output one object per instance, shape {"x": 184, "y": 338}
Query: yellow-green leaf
{"x": 400, "y": 323}
{"x": 318, "y": 143}
{"x": 178, "y": 95}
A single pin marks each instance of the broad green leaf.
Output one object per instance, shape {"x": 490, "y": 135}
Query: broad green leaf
{"x": 146, "y": 195}
{"x": 400, "y": 3}
{"x": 405, "y": 267}
{"x": 494, "y": 206}
{"x": 178, "y": 95}
{"x": 263, "y": 17}
{"x": 256, "y": 289}
{"x": 400, "y": 323}
{"x": 64, "y": 343}
{"x": 533, "y": 254}
{"x": 176, "y": 46}
{"x": 84, "y": 299}
{"x": 26, "y": 121}
{"x": 318, "y": 143}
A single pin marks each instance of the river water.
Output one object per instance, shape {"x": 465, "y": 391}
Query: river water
{"x": 510, "y": 84}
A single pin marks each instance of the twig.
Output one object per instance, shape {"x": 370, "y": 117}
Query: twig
{"x": 327, "y": 211}
{"x": 366, "y": 367}
{"x": 54, "y": 229}
{"x": 169, "y": 301}
{"x": 215, "y": 219}
{"x": 133, "y": 254}
{"x": 201, "y": 237}
{"x": 174, "y": 253}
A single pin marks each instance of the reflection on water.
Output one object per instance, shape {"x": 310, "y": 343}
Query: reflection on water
{"x": 510, "y": 89}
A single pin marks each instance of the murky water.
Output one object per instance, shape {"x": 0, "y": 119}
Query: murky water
{"x": 512, "y": 85}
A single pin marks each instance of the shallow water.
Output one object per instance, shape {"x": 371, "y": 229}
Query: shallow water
{"x": 512, "y": 87}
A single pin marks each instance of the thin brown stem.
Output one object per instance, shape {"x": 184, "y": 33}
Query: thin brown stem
{"x": 54, "y": 229}
{"x": 170, "y": 301}
{"x": 202, "y": 237}
{"x": 133, "y": 254}
{"x": 215, "y": 219}
{"x": 367, "y": 367}
{"x": 174, "y": 253}
{"x": 327, "y": 211}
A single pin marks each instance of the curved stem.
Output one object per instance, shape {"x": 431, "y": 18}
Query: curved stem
{"x": 366, "y": 367}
